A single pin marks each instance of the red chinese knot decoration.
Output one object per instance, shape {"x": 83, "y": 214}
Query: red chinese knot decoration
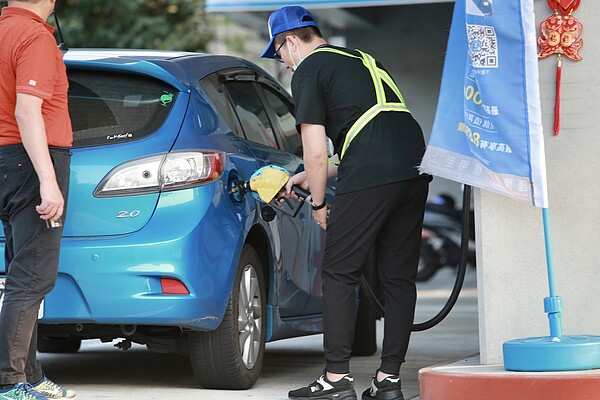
{"x": 560, "y": 34}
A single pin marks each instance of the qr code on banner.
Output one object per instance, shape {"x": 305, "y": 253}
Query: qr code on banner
{"x": 483, "y": 46}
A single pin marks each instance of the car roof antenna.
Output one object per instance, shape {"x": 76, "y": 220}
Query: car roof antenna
{"x": 62, "y": 46}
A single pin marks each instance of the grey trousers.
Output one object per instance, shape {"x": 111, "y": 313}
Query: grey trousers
{"x": 31, "y": 259}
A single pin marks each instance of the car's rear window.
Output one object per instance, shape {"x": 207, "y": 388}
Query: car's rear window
{"x": 108, "y": 107}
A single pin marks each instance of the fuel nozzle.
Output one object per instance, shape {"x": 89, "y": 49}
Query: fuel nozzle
{"x": 264, "y": 184}
{"x": 239, "y": 189}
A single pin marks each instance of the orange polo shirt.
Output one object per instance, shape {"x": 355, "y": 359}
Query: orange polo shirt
{"x": 30, "y": 62}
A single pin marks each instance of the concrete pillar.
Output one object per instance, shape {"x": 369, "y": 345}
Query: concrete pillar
{"x": 511, "y": 264}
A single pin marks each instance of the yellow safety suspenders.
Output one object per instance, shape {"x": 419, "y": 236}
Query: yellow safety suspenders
{"x": 379, "y": 77}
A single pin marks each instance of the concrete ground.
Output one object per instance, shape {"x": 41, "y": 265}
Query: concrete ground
{"x": 100, "y": 371}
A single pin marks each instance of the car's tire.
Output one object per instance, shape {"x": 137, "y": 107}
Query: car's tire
{"x": 231, "y": 356}
{"x": 365, "y": 331}
{"x": 58, "y": 345}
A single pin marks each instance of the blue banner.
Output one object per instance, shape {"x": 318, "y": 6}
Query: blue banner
{"x": 487, "y": 130}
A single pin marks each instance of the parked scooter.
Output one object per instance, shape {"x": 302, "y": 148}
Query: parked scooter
{"x": 441, "y": 237}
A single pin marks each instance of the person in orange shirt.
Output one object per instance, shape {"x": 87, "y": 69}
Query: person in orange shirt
{"x": 35, "y": 140}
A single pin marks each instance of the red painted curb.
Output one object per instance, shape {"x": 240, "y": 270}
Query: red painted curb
{"x": 467, "y": 380}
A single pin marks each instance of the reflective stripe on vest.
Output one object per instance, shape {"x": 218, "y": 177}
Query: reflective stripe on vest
{"x": 379, "y": 77}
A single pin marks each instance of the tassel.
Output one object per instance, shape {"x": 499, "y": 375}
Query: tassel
{"x": 557, "y": 100}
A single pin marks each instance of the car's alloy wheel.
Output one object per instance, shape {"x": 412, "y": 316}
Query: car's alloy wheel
{"x": 250, "y": 317}
{"x": 231, "y": 356}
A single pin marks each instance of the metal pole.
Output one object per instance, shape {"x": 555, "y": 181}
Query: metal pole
{"x": 553, "y": 303}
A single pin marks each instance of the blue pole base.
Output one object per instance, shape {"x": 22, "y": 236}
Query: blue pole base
{"x": 567, "y": 353}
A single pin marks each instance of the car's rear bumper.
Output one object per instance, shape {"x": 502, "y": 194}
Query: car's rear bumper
{"x": 107, "y": 282}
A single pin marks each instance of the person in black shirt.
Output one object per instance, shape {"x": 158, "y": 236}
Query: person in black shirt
{"x": 348, "y": 97}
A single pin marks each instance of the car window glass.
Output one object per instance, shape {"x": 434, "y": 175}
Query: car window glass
{"x": 213, "y": 89}
{"x": 285, "y": 121}
{"x": 108, "y": 107}
{"x": 251, "y": 113}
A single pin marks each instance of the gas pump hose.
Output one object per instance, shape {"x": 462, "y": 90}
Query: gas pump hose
{"x": 460, "y": 274}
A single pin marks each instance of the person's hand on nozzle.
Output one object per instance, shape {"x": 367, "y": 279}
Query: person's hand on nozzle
{"x": 297, "y": 180}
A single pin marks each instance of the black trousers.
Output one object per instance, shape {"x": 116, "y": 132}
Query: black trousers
{"x": 31, "y": 259}
{"x": 388, "y": 218}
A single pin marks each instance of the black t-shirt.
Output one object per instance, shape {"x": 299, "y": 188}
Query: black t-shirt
{"x": 334, "y": 90}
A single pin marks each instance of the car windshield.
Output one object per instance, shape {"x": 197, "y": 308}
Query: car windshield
{"x": 108, "y": 107}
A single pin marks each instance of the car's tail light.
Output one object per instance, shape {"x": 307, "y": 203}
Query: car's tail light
{"x": 172, "y": 171}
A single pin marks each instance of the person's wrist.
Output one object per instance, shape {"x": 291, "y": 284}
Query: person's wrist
{"x": 317, "y": 207}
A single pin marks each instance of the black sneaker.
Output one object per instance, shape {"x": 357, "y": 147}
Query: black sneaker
{"x": 387, "y": 389}
{"x": 324, "y": 389}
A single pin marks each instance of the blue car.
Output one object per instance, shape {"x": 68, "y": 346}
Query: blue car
{"x": 158, "y": 249}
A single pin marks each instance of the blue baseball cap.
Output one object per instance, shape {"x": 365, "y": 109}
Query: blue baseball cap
{"x": 283, "y": 20}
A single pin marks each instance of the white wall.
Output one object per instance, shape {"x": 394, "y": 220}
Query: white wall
{"x": 511, "y": 264}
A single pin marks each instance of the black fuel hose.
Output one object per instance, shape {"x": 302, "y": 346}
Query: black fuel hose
{"x": 460, "y": 274}
{"x": 462, "y": 266}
